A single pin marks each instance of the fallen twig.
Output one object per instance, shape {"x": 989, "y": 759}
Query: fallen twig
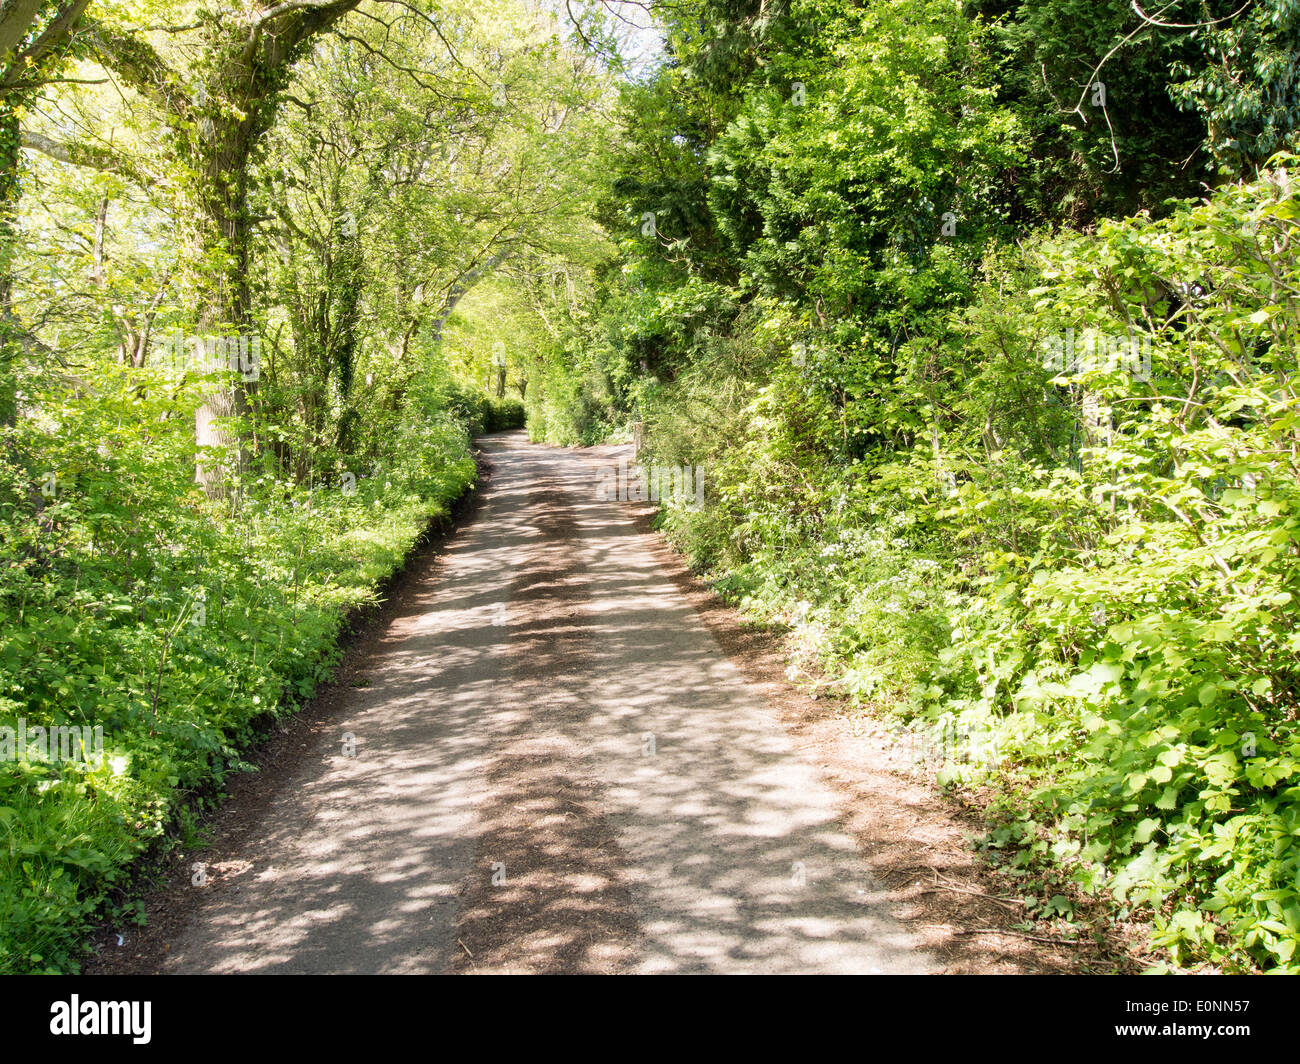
{"x": 1009, "y": 902}
{"x": 1008, "y": 931}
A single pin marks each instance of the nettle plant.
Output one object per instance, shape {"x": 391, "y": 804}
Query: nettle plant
{"x": 1136, "y": 646}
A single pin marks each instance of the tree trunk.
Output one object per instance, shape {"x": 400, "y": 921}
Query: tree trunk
{"x": 222, "y": 242}
{"x": 245, "y": 64}
{"x": 10, "y": 344}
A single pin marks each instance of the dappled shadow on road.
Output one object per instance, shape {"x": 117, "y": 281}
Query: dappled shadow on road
{"x": 735, "y": 855}
{"x": 547, "y": 892}
{"x": 556, "y": 769}
{"x": 355, "y": 867}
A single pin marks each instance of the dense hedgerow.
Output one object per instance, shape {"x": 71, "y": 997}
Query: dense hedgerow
{"x": 1090, "y": 580}
{"x": 1009, "y": 467}
{"x": 131, "y": 603}
{"x": 484, "y": 413}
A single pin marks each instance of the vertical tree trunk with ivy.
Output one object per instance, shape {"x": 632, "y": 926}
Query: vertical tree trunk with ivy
{"x": 219, "y": 148}
{"x": 215, "y": 121}
{"x": 347, "y": 316}
{"x": 9, "y": 334}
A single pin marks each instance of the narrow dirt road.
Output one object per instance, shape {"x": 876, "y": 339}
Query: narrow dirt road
{"x": 556, "y": 769}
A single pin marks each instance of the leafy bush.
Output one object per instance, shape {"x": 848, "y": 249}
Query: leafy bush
{"x": 1094, "y": 571}
{"x": 1132, "y": 639}
{"x": 131, "y": 603}
{"x": 505, "y": 415}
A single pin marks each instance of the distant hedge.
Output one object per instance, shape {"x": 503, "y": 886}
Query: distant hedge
{"x": 504, "y": 415}
{"x": 483, "y": 414}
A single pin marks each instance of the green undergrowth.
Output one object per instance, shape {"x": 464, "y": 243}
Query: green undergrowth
{"x": 177, "y": 625}
{"x": 1081, "y": 585}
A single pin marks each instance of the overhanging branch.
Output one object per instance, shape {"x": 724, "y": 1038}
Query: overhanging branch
{"x": 78, "y": 154}
{"x": 138, "y": 64}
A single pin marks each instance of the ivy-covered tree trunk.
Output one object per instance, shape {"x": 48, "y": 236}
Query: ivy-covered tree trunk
{"x": 216, "y": 120}
{"x": 9, "y": 337}
{"x": 350, "y": 265}
{"x": 220, "y": 242}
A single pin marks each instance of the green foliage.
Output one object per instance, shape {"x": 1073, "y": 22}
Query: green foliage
{"x": 505, "y": 415}
{"x": 482, "y": 413}
{"x": 842, "y": 191}
{"x": 337, "y": 205}
{"x": 1132, "y": 642}
{"x": 1090, "y": 82}
{"x": 1095, "y": 571}
{"x": 131, "y": 604}
{"x": 1244, "y": 79}
{"x": 1092, "y": 568}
